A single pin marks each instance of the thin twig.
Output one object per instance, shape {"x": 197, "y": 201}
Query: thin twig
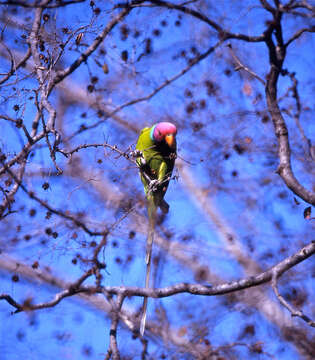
{"x": 60, "y": 75}
{"x": 9, "y": 197}
{"x": 23, "y": 154}
{"x": 125, "y": 154}
{"x": 241, "y": 66}
{"x": 298, "y": 34}
{"x": 51, "y": 150}
{"x": 65, "y": 215}
{"x": 222, "y": 33}
{"x": 36, "y": 5}
{"x": 165, "y": 83}
{"x": 11, "y": 301}
{"x": 293, "y": 311}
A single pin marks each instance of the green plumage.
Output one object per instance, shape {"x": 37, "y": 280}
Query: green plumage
{"x": 156, "y": 165}
{"x": 159, "y": 164}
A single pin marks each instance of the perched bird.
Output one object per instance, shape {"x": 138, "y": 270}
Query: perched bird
{"x": 156, "y": 148}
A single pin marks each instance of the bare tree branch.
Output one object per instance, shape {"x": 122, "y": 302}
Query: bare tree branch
{"x": 45, "y": 45}
{"x": 222, "y": 33}
{"x": 167, "y": 82}
{"x": 240, "y": 65}
{"x": 277, "y": 55}
{"x": 9, "y": 197}
{"x": 62, "y": 74}
{"x": 35, "y": 5}
{"x": 296, "y": 96}
{"x": 126, "y": 317}
{"x": 113, "y": 348}
{"x": 63, "y": 214}
{"x": 195, "y": 289}
{"x": 22, "y": 154}
{"x": 11, "y": 301}
{"x": 267, "y": 6}
{"x": 294, "y": 312}
{"x": 298, "y": 34}
{"x": 14, "y": 66}
{"x": 293, "y": 4}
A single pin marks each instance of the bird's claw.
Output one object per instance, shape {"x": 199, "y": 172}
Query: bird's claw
{"x": 153, "y": 185}
{"x": 136, "y": 153}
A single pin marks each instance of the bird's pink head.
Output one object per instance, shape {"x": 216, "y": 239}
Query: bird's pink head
{"x": 164, "y": 131}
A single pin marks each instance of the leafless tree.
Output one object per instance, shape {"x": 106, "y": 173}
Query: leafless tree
{"x": 79, "y": 79}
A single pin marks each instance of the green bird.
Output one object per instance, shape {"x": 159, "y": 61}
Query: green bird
{"x": 156, "y": 158}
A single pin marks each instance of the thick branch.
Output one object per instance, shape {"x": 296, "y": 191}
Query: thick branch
{"x": 194, "y": 289}
{"x": 277, "y": 56}
{"x": 73, "y": 288}
{"x": 126, "y": 316}
{"x": 281, "y": 131}
{"x": 226, "y": 288}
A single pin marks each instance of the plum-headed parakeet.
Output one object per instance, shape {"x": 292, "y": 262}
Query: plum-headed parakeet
{"x": 157, "y": 153}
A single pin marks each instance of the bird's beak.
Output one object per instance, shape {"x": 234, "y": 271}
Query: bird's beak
{"x": 170, "y": 140}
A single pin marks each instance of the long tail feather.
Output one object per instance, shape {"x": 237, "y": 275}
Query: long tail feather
{"x": 152, "y": 216}
{"x": 147, "y": 281}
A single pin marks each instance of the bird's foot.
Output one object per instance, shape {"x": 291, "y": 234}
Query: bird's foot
{"x": 153, "y": 185}
{"x": 136, "y": 154}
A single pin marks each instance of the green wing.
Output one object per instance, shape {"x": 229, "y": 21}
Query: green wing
{"x": 158, "y": 164}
